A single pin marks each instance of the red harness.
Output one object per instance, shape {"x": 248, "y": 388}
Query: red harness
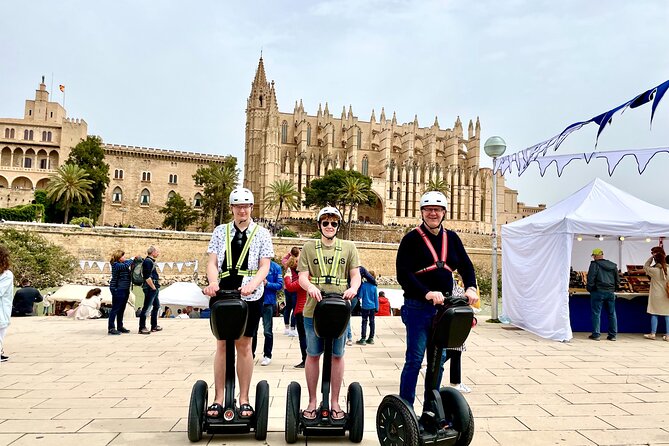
{"x": 438, "y": 262}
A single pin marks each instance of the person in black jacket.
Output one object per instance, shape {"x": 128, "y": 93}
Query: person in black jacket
{"x": 602, "y": 284}
{"x": 119, "y": 285}
{"x": 151, "y": 287}
{"x": 426, "y": 259}
{"x": 25, "y": 298}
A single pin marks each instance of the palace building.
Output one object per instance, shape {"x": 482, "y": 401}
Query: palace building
{"x": 401, "y": 159}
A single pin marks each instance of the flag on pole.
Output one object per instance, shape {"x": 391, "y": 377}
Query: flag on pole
{"x": 62, "y": 88}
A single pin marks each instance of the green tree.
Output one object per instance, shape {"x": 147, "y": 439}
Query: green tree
{"x": 282, "y": 192}
{"x": 33, "y": 257}
{"x": 51, "y": 212}
{"x": 70, "y": 184}
{"x": 90, "y": 156}
{"x": 354, "y": 192}
{"x": 218, "y": 182}
{"x": 178, "y": 214}
{"x": 438, "y": 185}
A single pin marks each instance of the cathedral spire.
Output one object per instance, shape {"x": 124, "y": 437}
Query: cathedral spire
{"x": 383, "y": 115}
{"x": 326, "y": 112}
{"x": 394, "y": 119}
{"x": 415, "y": 121}
{"x": 436, "y": 122}
{"x": 373, "y": 118}
{"x": 260, "y": 79}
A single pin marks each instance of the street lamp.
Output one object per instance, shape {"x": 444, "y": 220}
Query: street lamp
{"x": 494, "y": 147}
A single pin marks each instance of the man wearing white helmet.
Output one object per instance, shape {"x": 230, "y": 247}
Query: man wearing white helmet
{"x": 326, "y": 265}
{"x": 426, "y": 259}
{"x": 239, "y": 259}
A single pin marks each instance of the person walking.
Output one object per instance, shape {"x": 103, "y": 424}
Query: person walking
{"x": 119, "y": 286}
{"x": 289, "y": 318}
{"x": 273, "y": 283}
{"x": 6, "y": 293}
{"x": 151, "y": 288}
{"x": 25, "y": 299}
{"x": 248, "y": 246}
{"x": 602, "y": 283}
{"x": 292, "y": 282}
{"x": 326, "y": 265}
{"x": 369, "y": 303}
{"x": 658, "y": 299}
{"x": 426, "y": 278}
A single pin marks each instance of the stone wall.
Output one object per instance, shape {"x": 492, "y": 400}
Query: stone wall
{"x": 96, "y": 244}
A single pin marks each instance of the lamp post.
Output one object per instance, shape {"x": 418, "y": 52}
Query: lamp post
{"x": 494, "y": 147}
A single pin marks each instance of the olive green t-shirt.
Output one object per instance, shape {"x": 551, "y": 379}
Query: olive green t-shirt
{"x": 309, "y": 262}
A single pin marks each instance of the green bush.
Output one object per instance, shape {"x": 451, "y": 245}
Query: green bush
{"x": 25, "y": 212}
{"x": 285, "y": 232}
{"x": 35, "y": 258}
{"x": 78, "y": 221}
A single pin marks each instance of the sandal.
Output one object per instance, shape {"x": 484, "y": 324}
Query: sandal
{"x": 215, "y": 408}
{"x": 337, "y": 414}
{"x": 246, "y": 407}
{"x": 649, "y": 336}
{"x": 665, "y": 338}
{"x": 309, "y": 414}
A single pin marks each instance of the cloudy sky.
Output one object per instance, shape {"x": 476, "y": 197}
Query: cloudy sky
{"x": 176, "y": 74}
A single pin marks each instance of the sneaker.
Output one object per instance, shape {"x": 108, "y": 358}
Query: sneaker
{"x": 286, "y": 332}
{"x": 349, "y": 342}
{"x": 156, "y": 328}
{"x": 144, "y": 331}
{"x": 370, "y": 340}
{"x": 361, "y": 342}
{"x": 266, "y": 361}
{"x": 611, "y": 338}
{"x": 300, "y": 365}
{"x": 461, "y": 388}
{"x": 4, "y": 358}
{"x": 594, "y": 337}
{"x": 292, "y": 333}
{"x": 113, "y": 331}
{"x": 123, "y": 330}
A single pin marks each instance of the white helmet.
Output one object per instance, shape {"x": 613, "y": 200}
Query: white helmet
{"x": 241, "y": 195}
{"x": 433, "y": 198}
{"x": 328, "y": 210}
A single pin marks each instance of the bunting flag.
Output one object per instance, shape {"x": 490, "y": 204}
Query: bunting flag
{"x": 522, "y": 159}
{"x": 100, "y": 264}
{"x": 62, "y": 88}
{"x": 613, "y": 159}
{"x": 180, "y": 266}
{"x": 160, "y": 266}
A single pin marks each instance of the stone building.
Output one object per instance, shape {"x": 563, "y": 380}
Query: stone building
{"x": 401, "y": 159}
{"x": 141, "y": 179}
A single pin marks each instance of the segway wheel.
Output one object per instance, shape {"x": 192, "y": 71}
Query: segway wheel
{"x": 356, "y": 415}
{"x": 262, "y": 410}
{"x": 457, "y": 409}
{"x": 197, "y": 410}
{"x": 396, "y": 425}
{"x": 293, "y": 395}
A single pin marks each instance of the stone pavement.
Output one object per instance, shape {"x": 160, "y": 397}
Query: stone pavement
{"x": 69, "y": 383}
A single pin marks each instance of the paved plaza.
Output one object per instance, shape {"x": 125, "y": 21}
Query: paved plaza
{"x": 69, "y": 383}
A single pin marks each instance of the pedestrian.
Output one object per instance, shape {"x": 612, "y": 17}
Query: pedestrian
{"x": 364, "y": 276}
{"x": 369, "y": 303}
{"x": 89, "y": 307}
{"x": 426, "y": 278}
{"x": 289, "y": 319}
{"x": 251, "y": 249}
{"x": 46, "y": 304}
{"x": 25, "y": 299}
{"x": 6, "y": 292}
{"x": 273, "y": 284}
{"x": 326, "y": 265}
{"x": 119, "y": 286}
{"x": 658, "y": 299}
{"x": 292, "y": 282}
{"x": 602, "y": 283}
{"x": 151, "y": 288}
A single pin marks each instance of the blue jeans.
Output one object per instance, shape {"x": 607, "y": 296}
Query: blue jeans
{"x": 417, "y": 316}
{"x": 119, "y": 301}
{"x": 267, "y": 319}
{"x": 597, "y": 300}
{"x": 653, "y": 323}
{"x": 152, "y": 302}
{"x": 291, "y": 300}
{"x": 368, "y": 314}
{"x": 316, "y": 345}
{"x": 349, "y": 333}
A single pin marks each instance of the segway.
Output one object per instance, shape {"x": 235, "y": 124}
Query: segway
{"x": 228, "y": 322}
{"x": 331, "y": 317}
{"x": 447, "y": 418}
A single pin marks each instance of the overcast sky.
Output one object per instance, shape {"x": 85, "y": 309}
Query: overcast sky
{"x": 177, "y": 74}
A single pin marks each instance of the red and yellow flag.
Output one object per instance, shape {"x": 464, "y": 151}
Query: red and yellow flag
{"x": 62, "y": 88}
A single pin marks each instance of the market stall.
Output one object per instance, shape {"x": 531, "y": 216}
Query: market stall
{"x": 69, "y": 295}
{"x": 540, "y": 251}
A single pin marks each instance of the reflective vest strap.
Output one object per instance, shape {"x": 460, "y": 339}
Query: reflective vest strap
{"x": 331, "y": 276}
{"x": 241, "y": 272}
{"x": 228, "y": 254}
{"x": 246, "y": 247}
{"x": 438, "y": 262}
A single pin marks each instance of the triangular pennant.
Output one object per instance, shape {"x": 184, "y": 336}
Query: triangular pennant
{"x": 180, "y": 266}
{"x": 160, "y": 266}
{"x": 544, "y": 162}
{"x": 82, "y": 263}
{"x": 613, "y": 159}
{"x": 100, "y": 265}
{"x": 562, "y": 162}
{"x": 660, "y": 91}
{"x": 90, "y": 263}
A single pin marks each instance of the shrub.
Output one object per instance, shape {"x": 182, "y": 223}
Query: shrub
{"x": 35, "y": 258}
{"x": 82, "y": 221}
{"x": 25, "y": 212}
{"x": 285, "y": 232}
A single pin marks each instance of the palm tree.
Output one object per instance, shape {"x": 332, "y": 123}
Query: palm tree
{"x": 354, "y": 191}
{"x": 69, "y": 183}
{"x": 438, "y": 185}
{"x": 282, "y": 192}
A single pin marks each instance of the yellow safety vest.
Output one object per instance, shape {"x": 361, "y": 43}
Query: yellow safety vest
{"x": 228, "y": 255}
{"x": 330, "y": 277}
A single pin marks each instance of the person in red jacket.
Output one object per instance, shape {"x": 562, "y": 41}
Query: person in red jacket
{"x": 291, "y": 283}
{"x": 384, "y": 305}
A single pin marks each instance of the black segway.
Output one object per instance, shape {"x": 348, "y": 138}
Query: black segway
{"x": 228, "y": 322}
{"x": 447, "y": 418}
{"x": 331, "y": 317}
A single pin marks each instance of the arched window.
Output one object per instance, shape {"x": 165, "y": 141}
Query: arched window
{"x": 146, "y": 176}
{"x": 117, "y": 195}
{"x": 48, "y": 136}
{"x": 145, "y": 197}
{"x": 30, "y": 135}
{"x": 44, "y": 136}
{"x": 197, "y": 201}
{"x": 284, "y": 132}
{"x": 118, "y": 174}
{"x": 171, "y": 194}
{"x": 359, "y": 139}
{"x": 12, "y": 134}
{"x": 26, "y": 134}
{"x": 260, "y": 100}
{"x": 365, "y": 166}
{"x": 6, "y": 133}
{"x": 308, "y": 134}
{"x": 173, "y": 178}
{"x": 27, "y": 163}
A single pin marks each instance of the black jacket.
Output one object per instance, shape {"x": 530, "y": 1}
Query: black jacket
{"x": 24, "y": 299}
{"x": 602, "y": 276}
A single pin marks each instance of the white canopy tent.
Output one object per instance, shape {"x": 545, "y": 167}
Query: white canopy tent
{"x": 538, "y": 251}
{"x": 183, "y": 294}
{"x": 71, "y": 292}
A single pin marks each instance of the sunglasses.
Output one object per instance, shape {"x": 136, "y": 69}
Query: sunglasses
{"x": 326, "y": 223}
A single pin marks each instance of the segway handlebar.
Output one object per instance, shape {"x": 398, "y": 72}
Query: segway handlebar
{"x": 228, "y": 294}
{"x": 454, "y": 301}
{"x": 331, "y": 295}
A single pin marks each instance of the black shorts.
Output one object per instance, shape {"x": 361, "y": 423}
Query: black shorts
{"x": 253, "y": 318}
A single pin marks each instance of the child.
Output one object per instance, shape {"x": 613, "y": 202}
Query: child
{"x": 369, "y": 302}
